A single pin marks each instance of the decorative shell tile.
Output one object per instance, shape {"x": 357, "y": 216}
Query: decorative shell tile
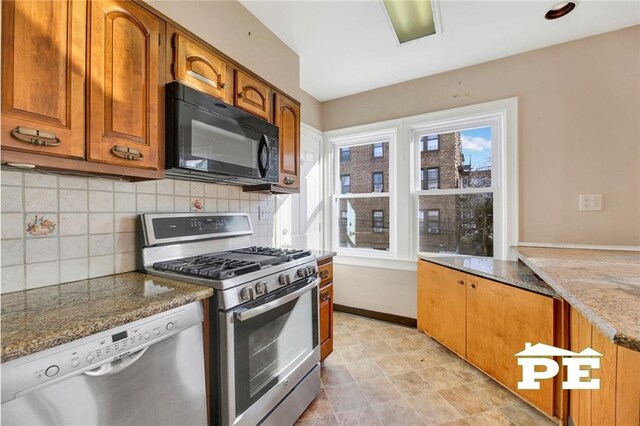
{"x": 197, "y": 205}
{"x": 40, "y": 226}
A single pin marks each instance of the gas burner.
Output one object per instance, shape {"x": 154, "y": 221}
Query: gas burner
{"x": 208, "y": 266}
{"x": 270, "y": 251}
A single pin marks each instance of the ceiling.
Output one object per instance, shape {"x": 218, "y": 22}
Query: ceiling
{"x": 346, "y": 47}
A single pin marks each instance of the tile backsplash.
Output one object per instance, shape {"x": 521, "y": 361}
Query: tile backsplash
{"x": 58, "y": 229}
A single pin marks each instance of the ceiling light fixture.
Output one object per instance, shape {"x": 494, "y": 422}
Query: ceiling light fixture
{"x": 561, "y": 9}
{"x": 410, "y": 19}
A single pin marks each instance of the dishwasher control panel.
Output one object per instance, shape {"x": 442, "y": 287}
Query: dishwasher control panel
{"x": 90, "y": 353}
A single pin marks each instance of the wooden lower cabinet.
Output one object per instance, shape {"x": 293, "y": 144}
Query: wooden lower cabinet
{"x": 326, "y": 321}
{"x": 617, "y": 402}
{"x": 442, "y": 305}
{"x": 500, "y": 320}
{"x": 487, "y": 322}
{"x": 325, "y": 272}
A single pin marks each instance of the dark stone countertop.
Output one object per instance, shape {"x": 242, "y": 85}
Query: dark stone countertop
{"x": 321, "y": 256}
{"x": 513, "y": 273}
{"x": 603, "y": 285}
{"x": 42, "y": 318}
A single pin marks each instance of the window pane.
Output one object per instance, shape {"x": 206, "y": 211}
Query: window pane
{"x": 460, "y": 224}
{"x": 378, "y": 150}
{"x": 362, "y": 166}
{"x": 360, "y": 229}
{"x": 463, "y": 158}
{"x": 345, "y": 154}
{"x": 345, "y": 182}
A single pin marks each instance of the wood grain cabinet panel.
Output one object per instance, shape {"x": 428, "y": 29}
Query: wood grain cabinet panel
{"x": 43, "y": 75}
{"x": 442, "y": 305}
{"x": 252, "y": 95}
{"x": 287, "y": 118}
{"x": 125, "y": 112}
{"x": 500, "y": 320}
{"x": 200, "y": 68}
{"x": 326, "y": 321}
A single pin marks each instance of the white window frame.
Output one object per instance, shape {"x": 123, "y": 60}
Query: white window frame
{"x": 388, "y": 135}
{"x": 501, "y": 116}
{"x": 403, "y": 207}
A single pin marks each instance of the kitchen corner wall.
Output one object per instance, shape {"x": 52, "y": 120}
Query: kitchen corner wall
{"x": 59, "y": 229}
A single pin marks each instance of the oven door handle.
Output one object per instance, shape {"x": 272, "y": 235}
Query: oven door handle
{"x": 246, "y": 314}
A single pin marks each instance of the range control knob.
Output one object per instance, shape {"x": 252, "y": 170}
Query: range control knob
{"x": 311, "y": 270}
{"x": 51, "y": 371}
{"x": 90, "y": 357}
{"x": 284, "y": 279}
{"x": 302, "y": 272}
{"x": 261, "y": 287}
{"x": 246, "y": 293}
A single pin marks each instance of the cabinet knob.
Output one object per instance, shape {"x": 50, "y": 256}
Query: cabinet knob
{"x": 35, "y": 136}
{"x": 473, "y": 285}
{"x": 288, "y": 180}
{"x": 460, "y": 282}
{"x": 223, "y": 85}
{"x": 324, "y": 297}
{"x": 324, "y": 274}
{"x": 240, "y": 95}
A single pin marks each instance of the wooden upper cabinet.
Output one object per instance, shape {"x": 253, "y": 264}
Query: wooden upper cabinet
{"x": 252, "y": 95}
{"x": 287, "y": 118}
{"x": 200, "y": 68}
{"x": 43, "y": 72}
{"x": 500, "y": 320}
{"x": 125, "y": 100}
{"x": 442, "y": 304}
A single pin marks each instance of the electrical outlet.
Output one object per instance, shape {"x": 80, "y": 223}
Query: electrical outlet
{"x": 265, "y": 213}
{"x": 590, "y": 202}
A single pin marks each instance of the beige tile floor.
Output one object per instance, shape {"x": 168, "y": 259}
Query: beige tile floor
{"x": 385, "y": 374}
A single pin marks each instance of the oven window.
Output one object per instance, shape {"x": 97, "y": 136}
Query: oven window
{"x": 270, "y": 346}
{"x": 214, "y": 143}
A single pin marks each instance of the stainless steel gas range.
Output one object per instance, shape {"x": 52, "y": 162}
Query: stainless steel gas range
{"x": 264, "y": 330}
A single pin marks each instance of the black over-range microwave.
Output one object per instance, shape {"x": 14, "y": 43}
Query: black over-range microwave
{"x": 209, "y": 140}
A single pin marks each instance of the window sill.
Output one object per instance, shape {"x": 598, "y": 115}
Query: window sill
{"x": 377, "y": 262}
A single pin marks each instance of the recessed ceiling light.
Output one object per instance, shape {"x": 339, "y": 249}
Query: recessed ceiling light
{"x": 561, "y": 9}
{"x": 410, "y": 19}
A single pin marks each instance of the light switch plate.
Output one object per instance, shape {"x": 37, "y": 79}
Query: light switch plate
{"x": 265, "y": 213}
{"x": 590, "y": 202}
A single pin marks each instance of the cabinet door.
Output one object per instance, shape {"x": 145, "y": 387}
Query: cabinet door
{"x": 287, "y": 118}
{"x": 252, "y": 95}
{"x": 500, "y": 320}
{"x": 125, "y": 110}
{"x": 43, "y": 74}
{"x": 200, "y": 68}
{"x": 441, "y": 305}
{"x": 326, "y": 321}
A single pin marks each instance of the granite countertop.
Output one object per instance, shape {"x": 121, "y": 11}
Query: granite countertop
{"x": 323, "y": 255}
{"x": 603, "y": 285}
{"x": 508, "y": 272}
{"x": 38, "y": 319}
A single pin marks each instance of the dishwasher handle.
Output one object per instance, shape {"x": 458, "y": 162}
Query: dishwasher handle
{"x": 115, "y": 367}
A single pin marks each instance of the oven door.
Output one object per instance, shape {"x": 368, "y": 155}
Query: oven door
{"x": 271, "y": 345}
{"x": 209, "y": 142}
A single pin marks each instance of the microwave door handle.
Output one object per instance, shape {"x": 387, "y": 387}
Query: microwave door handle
{"x": 264, "y": 147}
{"x": 253, "y": 312}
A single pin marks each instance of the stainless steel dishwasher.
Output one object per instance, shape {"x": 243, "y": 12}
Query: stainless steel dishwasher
{"x": 148, "y": 372}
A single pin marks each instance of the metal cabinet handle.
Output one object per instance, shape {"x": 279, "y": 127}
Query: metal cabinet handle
{"x": 126, "y": 153}
{"x": 288, "y": 180}
{"x": 324, "y": 274}
{"x": 324, "y": 297}
{"x": 35, "y": 136}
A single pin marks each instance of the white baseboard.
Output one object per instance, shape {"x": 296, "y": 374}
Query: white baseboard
{"x": 581, "y": 246}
